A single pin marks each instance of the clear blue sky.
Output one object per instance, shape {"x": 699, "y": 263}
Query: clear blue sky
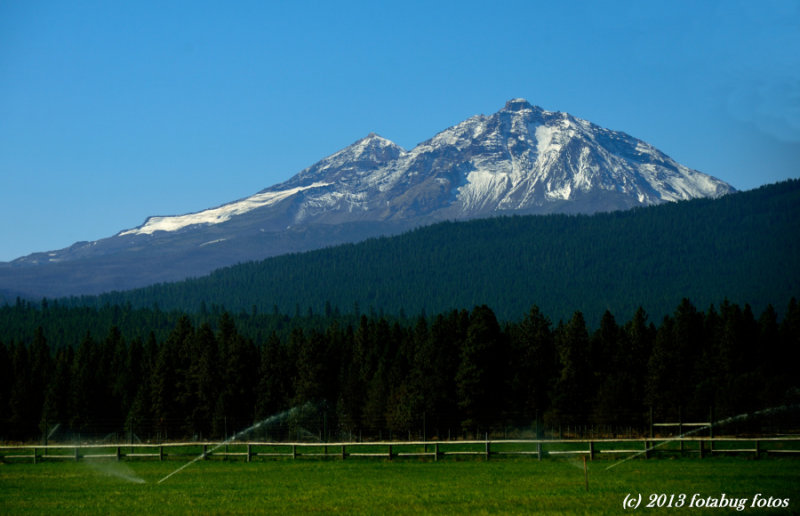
{"x": 111, "y": 111}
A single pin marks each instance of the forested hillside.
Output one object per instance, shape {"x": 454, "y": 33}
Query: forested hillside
{"x": 742, "y": 247}
{"x": 433, "y": 333}
{"x": 149, "y": 374}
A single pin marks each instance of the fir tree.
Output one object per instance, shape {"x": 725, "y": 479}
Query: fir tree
{"x": 572, "y": 393}
{"x": 479, "y": 379}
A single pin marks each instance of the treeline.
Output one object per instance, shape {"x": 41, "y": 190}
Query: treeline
{"x": 738, "y": 247}
{"x": 457, "y": 371}
{"x": 67, "y": 325}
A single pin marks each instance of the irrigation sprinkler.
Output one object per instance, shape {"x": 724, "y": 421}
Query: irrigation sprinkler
{"x": 272, "y": 419}
{"x": 732, "y": 419}
{"x": 585, "y": 474}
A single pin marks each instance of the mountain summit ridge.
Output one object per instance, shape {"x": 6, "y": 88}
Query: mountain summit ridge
{"x": 522, "y": 159}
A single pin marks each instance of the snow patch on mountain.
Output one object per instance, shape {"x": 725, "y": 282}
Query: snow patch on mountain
{"x": 217, "y": 215}
{"x": 521, "y": 158}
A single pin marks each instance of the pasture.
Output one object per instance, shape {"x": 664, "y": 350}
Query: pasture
{"x": 400, "y": 486}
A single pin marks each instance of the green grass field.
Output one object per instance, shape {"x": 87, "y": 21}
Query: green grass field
{"x": 376, "y": 486}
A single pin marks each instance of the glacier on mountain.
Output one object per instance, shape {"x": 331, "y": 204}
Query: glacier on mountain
{"x": 216, "y": 215}
{"x": 520, "y": 159}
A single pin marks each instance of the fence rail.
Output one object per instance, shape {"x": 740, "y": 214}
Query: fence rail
{"x": 432, "y": 450}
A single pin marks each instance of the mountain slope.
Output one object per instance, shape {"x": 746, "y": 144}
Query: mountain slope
{"x": 737, "y": 247}
{"x": 520, "y": 160}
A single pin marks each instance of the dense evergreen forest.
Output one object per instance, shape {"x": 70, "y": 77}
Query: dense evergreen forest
{"x": 168, "y": 375}
{"x": 742, "y": 247}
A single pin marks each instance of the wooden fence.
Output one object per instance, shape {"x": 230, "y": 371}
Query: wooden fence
{"x": 431, "y": 450}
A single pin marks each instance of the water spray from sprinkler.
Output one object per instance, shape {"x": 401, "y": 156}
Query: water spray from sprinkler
{"x": 585, "y": 474}
{"x": 53, "y": 430}
{"x": 740, "y": 417}
{"x": 277, "y": 417}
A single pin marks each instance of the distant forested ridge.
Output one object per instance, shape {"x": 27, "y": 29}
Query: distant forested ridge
{"x": 742, "y": 247}
{"x": 119, "y": 370}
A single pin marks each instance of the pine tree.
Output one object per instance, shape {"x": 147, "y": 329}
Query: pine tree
{"x": 23, "y": 414}
{"x": 533, "y": 365}
{"x": 41, "y": 365}
{"x": 273, "y": 394}
{"x": 84, "y": 386}
{"x": 632, "y": 364}
{"x": 415, "y": 398}
{"x": 672, "y": 373}
{"x": 790, "y": 349}
{"x": 113, "y": 376}
{"x": 404, "y": 408}
{"x": 350, "y": 405}
{"x": 479, "y": 380}
{"x": 7, "y": 378}
{"x": 57, "y": 400}
{"x": 170, "y": 388}
{"x": 310, "y": 380}
{"x": 239, "y": 359}
{"x": 573, "y": 393}
{"x": 448, "y": 333}
{"x": 203, "y": 377}
{"x": 611, "y": 380}
{"x": 374, "y": 374}
{"x": 768, "y": 348}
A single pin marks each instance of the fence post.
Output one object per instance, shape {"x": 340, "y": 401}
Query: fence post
{"x": 34, "y": 455}
{"x": 757, "y": 449}
{"x": 436, "y": 452}
{"x": 702, "y": 451}
{"x": 118, "y": 454}
{"x": 249, "y": 452}
{"x": 591, "y": 450}
{"x": 160, "y": 453}
{"x": 711, "y": 421}
{"x": 646, "y": 449}
{"x": 294, "y": 451}
{"x": 77, "y": 455}
{"x": 539, "y": 450}
{"x": 343, "y": 452}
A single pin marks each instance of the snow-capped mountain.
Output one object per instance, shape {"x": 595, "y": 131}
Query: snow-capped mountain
{"x": 521, "y": 159}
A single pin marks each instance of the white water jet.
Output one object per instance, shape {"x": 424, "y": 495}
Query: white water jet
{"x": 266, "y": 422}
{"x": 732, "y": 419}
{"x": 115, "y": 469}
{"x": 53, "y": 430}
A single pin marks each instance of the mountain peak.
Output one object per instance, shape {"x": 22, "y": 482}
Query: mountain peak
{"x": 520, "y": 160}
{"x": 375, "y": 139}
{"x": 518, "y": 104}
{"x": 374, "y": 142}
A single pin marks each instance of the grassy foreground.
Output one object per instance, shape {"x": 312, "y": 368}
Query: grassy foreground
{"x": 508, "y": 486}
